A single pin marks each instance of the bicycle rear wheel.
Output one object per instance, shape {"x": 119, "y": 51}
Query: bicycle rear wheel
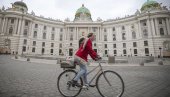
{"x": 110, "y": 84}
{"x": 64, "y": 87}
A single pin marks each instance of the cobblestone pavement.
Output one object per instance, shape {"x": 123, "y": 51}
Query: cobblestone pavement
{"x": 25, "y": 79}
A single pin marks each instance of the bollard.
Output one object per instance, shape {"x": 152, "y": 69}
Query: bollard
{"x": 160, "y": 63}
{"x": 141, "y": 63}
{"x": 16, "y": 57}
{"x": 28, "y": 59}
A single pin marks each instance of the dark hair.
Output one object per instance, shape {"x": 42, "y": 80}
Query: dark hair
{"x": 81, "y": 40}
{"x": 89, "y": 35}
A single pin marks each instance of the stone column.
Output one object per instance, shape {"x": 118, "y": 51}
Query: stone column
{"x": 16, "y": 25}
{"x": 30, "y": 29}
{"x": 66, "y": 31}
{"x": 149, "y": 28}
{"x": 100, "y": 33}
{"x": 5, "y": 26}
{"x": 139, "y": 29}
{"x": 21, "y": 27}
{"x": 153, "y": 27}
{"x": 167, "y": 26}
{"x": 156, "y": 26}
{"x": 75, "y": 33}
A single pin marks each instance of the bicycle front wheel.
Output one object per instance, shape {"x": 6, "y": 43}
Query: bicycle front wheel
{"x": 64, "y": 87}
{"x": 110, "y": 84}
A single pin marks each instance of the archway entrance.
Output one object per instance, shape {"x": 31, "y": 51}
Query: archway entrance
{"x": 7, "y": 46}
{"x": 166, "y": 49}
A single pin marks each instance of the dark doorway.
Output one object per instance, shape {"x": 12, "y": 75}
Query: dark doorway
{"x": 70, "y": 52}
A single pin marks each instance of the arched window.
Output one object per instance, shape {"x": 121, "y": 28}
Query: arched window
{"x": 161, "y": 31}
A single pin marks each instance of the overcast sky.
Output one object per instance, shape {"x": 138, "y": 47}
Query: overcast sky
{"x": 61, "y": 9}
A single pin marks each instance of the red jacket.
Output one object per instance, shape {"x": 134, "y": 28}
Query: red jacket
{"x": 83, "y": 52}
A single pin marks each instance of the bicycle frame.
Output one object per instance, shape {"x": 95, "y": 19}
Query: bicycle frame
{"x": 99, "y": 71}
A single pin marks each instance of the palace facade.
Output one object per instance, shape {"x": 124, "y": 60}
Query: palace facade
{"x": 146, "y": 33}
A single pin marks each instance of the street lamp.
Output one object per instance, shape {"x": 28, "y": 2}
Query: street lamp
{"x": 160, "y": 51}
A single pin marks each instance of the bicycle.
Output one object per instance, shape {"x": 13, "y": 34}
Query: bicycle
{"x": 108, "y": 83}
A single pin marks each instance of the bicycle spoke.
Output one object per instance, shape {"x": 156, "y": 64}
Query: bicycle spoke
{"x": 66, "y": 89}
{"x": 110, "y": 84}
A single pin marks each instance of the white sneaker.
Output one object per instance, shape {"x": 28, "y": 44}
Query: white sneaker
{"x": 85, "y": 86}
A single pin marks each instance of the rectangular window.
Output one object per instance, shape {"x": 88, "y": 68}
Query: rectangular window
{"x": 114, "y": 45}
{"x": 115, "y": 51}
{"x": 33, "y": 49}
{"x": 113, "y": 29}
{"x": 34, "y": 43}
{"x": 12, "y": 21}
{"x": 60, "y": 45}
{"x": 135, "y": 51}
{"x": 105, "y": 37}
{"x": 26, "y": 23}
{"x": 124, "y": 51}
{"x": 25, "y": 32}
{"x": 114, "y": 37}
{"x": 43, "y": 44}
{"x": 105, "y": 30}
{"x": 35, "y": 34}
{"x": 60, "y": 52}
{"x": 105, "y": 52}
{"x": 105, "y": 45}
{"x": 124, "y": 45}
{"x": 146, "y": 50}
{"x": 45, "y": 27}
{"x": 71, "y": 37}
{"x": 123, "y": 36}
{"x": 52, "y": 44}
{"x": 24, "y": 48}
{"x": 160, "y": 21}
{"x": 53, "y": 29}
{"x": 145, "y": 43}
{"x": 123, "y": 27}
{"x": 51, "y": 51}
{"x": 61, "y": 37}
{"x": 44, "y": 35}
{"x": 25, "y": 42}
{"x": 52, "y": 36}
{"x": 134, "y": 44}
{"x": 43, "y": 51}
{"x": 36, "y": 25}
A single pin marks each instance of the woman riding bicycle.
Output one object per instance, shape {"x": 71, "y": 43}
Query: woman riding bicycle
{"x": 80, "y": 58}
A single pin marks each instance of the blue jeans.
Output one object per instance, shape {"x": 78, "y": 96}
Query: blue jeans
{"x": 82, "y": 72}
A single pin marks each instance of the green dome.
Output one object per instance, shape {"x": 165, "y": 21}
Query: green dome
{"x": 82, "y": 10}
{"x": 20, "y": 3}
{"x": 150, "y": 4}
